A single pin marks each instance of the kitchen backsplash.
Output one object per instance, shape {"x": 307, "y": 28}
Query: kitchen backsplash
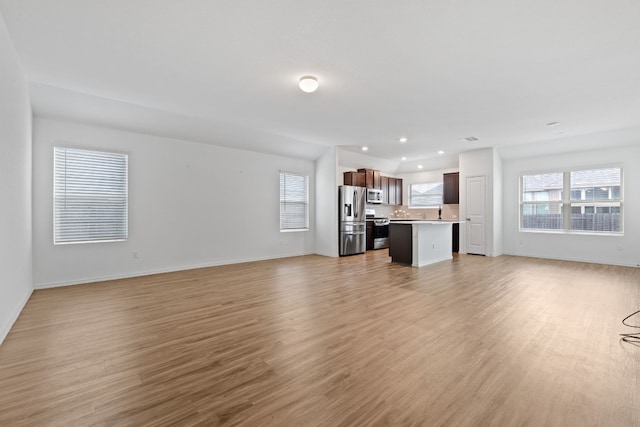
{"x": 448, "y": 212}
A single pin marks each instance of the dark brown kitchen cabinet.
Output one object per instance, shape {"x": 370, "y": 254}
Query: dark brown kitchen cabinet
{"x": 370, "y": 235}
{"x": 398, "y": 191}
{"x": 371, "y": 178}
{"x": 394, "y": 190}
{"x": 455, "y": 234}
{"x": 354, "y": 178}
{"x": 401, "y": 243}
{"x": 384, "y": 186}
{"x": 451, "y": 190}
{"x": 391, "y": 190}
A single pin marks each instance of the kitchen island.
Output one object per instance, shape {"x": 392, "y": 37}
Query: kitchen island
{"x": 420, "y": 243}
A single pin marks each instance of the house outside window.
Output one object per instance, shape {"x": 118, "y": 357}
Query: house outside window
{"x": 587, "y": 200}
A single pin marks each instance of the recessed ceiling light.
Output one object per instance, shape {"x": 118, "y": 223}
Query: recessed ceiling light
{"x": 553, "y": 123}
{"x": 440, "y": 152}
{"x": 308, "y": 84}
{"x": 404, "y": 158}
{"x": 403, "y": 139}
{"x": 365, "y": 148}
{"x": 470, "y": 139}
{"x": 419, "y": 166}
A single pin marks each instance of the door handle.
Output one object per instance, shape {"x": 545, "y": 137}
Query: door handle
{"x": 468, "y": 219}
{"x": 355, "y": 205}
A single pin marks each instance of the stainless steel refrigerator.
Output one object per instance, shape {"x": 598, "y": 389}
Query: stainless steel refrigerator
{"x": 352, "y": 221}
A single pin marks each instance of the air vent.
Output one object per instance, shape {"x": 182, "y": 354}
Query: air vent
{"x": 471, "y": 139}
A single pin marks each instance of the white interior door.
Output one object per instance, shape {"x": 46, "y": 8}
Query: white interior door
{"x": 476, "y": 188}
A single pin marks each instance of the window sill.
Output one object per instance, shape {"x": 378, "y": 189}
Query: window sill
{"x": 79, "y": 242}
{"x": 294, "y": 230}
{"x": 576, "y": 233}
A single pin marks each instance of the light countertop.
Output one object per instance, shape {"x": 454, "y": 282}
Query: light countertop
{"x": 426, "y": 221}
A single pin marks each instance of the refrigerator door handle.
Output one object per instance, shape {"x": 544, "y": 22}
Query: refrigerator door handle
{"x": 355, "y": 204}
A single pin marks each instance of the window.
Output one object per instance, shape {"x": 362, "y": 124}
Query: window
{"x": 425, "y": 195}
{"x": 542, "y": 201}
{"x": 294, "y": 202}
{"x": 90, "y": 200}
{"x": 588, "y": 200}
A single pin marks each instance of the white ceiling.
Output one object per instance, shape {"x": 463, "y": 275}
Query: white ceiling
{"x": 436, "y": 71}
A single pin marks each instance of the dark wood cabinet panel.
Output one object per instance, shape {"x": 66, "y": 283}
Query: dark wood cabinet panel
{"x": 451, "y": 190}
{"x": 384, "y": 186}
{"x": 398, "y": 191}
{"x": 371, "y": 178}
{"x": 393, "y": 194}
{"x": 455, "y": 243}
{"x": 392, "y": 191}
{"x": 400, "y": 243}
{"x": 354, "y": 178}
{"x": 370, "y": 236}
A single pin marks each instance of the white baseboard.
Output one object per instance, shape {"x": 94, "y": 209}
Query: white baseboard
{"x": 155, "y": 271}
{"x": 585, "y": 260}
{"x": 4, "y": 331}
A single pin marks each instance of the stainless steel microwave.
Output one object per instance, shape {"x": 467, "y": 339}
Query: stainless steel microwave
{"x": 374, "y": 195}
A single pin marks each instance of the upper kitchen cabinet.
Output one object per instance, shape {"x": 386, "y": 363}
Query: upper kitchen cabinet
{"x": 384, "y": 185}
{"x": 451, "y": 190}
{"x": 394, "y": 191}
{"x": 354, "y": 178}
{"x": 371, "y": 178}
{"x": 398, "y": 191}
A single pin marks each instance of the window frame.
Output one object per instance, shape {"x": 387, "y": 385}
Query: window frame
{"x": 284, "y": 203}
{"x": 566, "y": 202}
{"x": 58, "y": 214}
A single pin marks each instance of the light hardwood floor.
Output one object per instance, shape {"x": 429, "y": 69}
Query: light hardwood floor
{"x": 311, "y": 341}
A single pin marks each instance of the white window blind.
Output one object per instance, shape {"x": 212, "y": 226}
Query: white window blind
{"x": 90, "y": 196}
{"x": 426, "y": 195}
{"x": 294, "y": 202}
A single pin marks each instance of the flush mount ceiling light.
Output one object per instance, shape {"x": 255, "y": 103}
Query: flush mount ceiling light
{"x": 419, "y": 166}
{"x": 440, "y": 152}
{"x": 365, "y": 148}
{"x": 403, "y": 158}
{"x": 403, "y": 140}
{"x": 308, "y": 84}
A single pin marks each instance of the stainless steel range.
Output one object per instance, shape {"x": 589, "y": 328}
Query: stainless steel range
{"x": 380, "y": 229}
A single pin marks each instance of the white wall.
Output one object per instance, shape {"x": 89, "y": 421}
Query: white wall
{"x": 350, "y": 161}
{"x": 618, "y": 250}
{"x": 190, "y": 205}
{"x": 327, "y": 203}
{"x": 480, "y": 163}
{"x": 16, "y": 282}
{"x": 497, "y": 201}
{"x": 420, "y": 178}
